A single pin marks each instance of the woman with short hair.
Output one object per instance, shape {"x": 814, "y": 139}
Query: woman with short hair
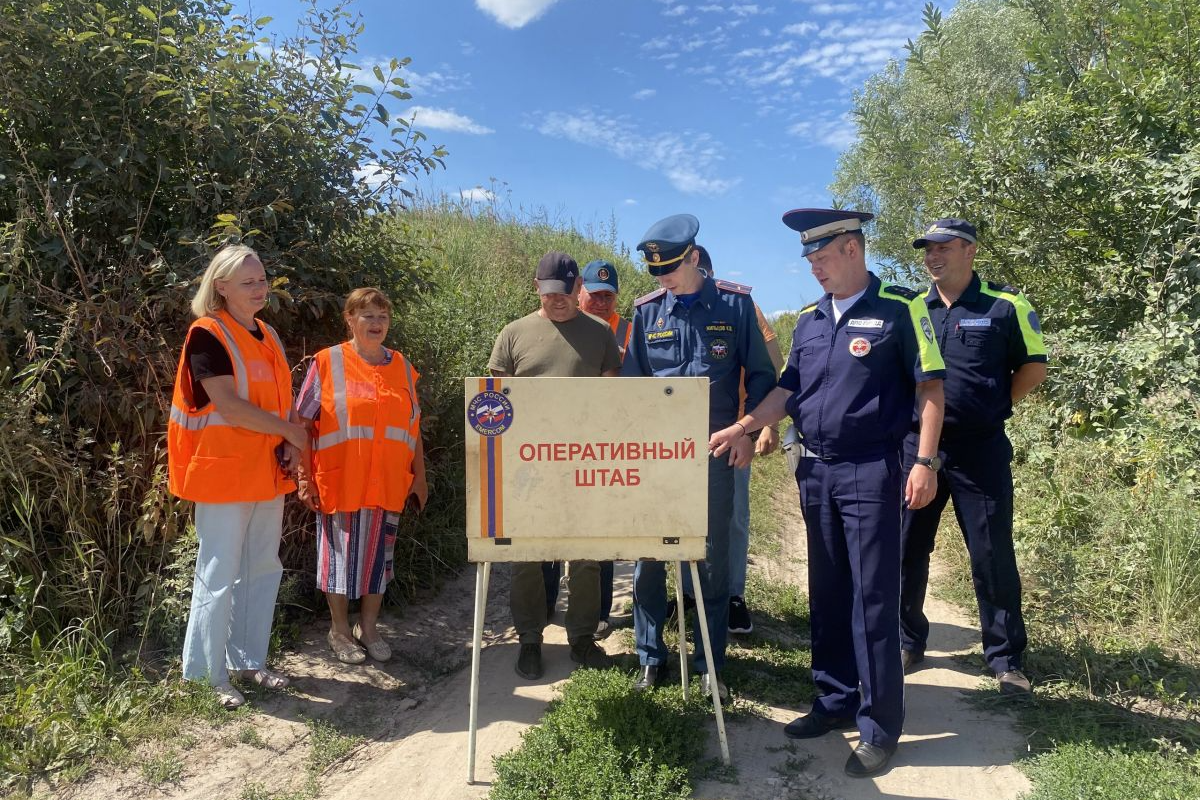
{"x": 229, "y": 443}
{"x": 359, "y": 401}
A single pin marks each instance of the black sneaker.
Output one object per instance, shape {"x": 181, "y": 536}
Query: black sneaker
{"x": 529, "y": 661}
{"x": 739, "y": 616}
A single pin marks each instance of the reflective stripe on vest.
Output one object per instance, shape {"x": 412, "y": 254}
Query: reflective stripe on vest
{"x": 622, "y": 334}
{"x": 341, "y": 410}
{"x": 197, "y": 423}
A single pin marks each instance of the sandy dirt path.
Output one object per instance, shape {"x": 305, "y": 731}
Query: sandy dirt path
{"x": 412, "y": 713}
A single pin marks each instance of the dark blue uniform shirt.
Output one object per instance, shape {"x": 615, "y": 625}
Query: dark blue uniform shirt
{"x": 716, "y": 337}
{"x": 853, "y": 383}
{"x": 985, "y": 336}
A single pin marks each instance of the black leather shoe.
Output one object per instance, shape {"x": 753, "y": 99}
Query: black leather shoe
{"x": 651, "y": 677}
{"x": 910, "y": 658}
{"x": 812, "y": 725}
{"x": 529, "y": 661}
{"x": 868, "y": 759}
{"x": 586, "y": 652}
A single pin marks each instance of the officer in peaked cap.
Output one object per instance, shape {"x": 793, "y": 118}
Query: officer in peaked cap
{"x": 696, "y": 326}
{"x": 992, "y": 343}
{"x": 861, "y": 357}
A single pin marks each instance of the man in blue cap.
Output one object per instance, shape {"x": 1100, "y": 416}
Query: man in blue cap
{"x": 992, "y": 343}
{"x": 696, "y": 326}
{"x": 861, "y": 357}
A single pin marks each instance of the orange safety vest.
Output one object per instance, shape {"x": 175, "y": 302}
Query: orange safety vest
{"x": 621, "y": 331}
{"x": 367, "y": 432}
{"x": 211, "y": 461}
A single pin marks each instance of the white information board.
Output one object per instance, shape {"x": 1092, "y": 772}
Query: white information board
{"x": 595, "y": 468}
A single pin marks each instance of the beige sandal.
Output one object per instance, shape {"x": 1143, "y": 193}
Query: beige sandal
{"x": 229, "y": 697}
{"x": 379, "y": 649}
{"x": 265, "y": 678}
{"x": 346, "y": 650}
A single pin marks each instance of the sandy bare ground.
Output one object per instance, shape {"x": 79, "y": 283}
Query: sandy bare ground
{"x": 412, "y": 713}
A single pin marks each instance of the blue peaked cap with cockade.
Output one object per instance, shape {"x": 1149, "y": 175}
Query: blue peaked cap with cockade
{"x": 820, "y": 226}
{"x": 668, "y": 242}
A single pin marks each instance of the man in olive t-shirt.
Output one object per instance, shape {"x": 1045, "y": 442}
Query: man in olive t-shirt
{"x": 556, "y": 341}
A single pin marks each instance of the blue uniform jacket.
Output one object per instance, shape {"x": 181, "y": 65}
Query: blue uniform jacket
{"x": 717, "y": 338}
{"x": 986, "y": 335}
{"x": 853, "y": 384}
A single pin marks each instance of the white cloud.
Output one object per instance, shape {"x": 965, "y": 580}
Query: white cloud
{"x": 437, "y": 81}
{"x": 833, "y": 130}
{"x": 675, "y": 11}
{"x": 644, "y": 94}
{"x": 629, "y": 201}
{"x": 688, "y": 160}
{"x": 514, "y": 13}
{"x": 440, "y": 119}
{"x": 373, "y": 175}
{"x": 829, "y": 9}
{"x": 800, "y": 28}
{"x": 477, "y": 195}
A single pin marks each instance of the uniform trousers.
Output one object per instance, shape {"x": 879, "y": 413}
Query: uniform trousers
{"x": 527, "y": 600}
{"x": 552, "y": 576}
{"x": 852, "y": 513}
{"x": 739, "y": 536}
{"x": 650, "y": 583}
{"x": 739, "y": 532}
{"x": 977, "y": 474}
{"x": 233, "y": 596}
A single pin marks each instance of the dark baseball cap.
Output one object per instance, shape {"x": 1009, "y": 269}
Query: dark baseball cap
{"x": 945, "y": 229}
{"x": 556, "y": 273}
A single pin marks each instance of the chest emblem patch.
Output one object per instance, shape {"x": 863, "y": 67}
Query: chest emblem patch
{"x": 660, "y": 323}
{"x": 719, "y": 349}
{"x": 859, "y": 347}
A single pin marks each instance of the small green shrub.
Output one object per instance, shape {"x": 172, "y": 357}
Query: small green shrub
{"x": 602, "y": 740}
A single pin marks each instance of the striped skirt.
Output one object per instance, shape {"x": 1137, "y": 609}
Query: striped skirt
{"x": 355, "y": 551}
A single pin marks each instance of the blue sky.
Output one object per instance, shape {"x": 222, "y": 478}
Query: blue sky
{"x": 591, "y": 110}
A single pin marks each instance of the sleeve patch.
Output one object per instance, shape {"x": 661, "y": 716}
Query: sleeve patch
{"x": 1034, "y": 322}
{"x": 927, "y": 328}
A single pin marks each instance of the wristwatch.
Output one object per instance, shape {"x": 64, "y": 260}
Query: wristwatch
{"x": 933, "y": 462}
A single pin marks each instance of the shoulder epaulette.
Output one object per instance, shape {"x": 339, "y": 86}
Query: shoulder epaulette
{"x": 730, "y": 286}
{"x": 899, "y": 291}
{"x": 1003, "y": 287}
{"x": 646, "y": 298}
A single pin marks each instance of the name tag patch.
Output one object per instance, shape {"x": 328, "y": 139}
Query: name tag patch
{"x": 865, "y": 323}
{"x": 718, "y": 327}
{"x": 669, "y": 335}
{"x": 985, "y": 322}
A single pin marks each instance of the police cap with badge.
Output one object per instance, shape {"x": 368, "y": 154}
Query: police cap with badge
{"x": 668, "y": 242}
{"x": 820, "y": 226}
{"x": 945, "y": 229}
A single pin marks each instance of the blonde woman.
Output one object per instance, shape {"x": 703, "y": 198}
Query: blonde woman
{"x": 359, "y": 401}
{"x": 229, "y": 441}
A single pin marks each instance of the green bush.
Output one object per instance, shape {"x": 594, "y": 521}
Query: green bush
{"x": 604, "y": 740}
{"x": 1076, "y": 771}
